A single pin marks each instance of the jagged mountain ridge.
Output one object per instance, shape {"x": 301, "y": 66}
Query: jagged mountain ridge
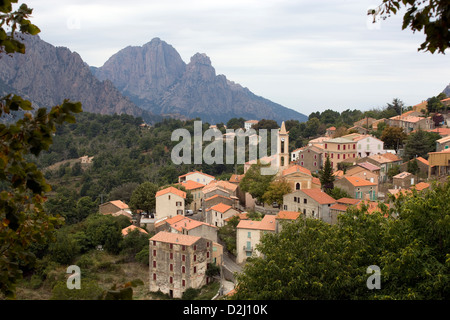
{"x": 46, "y": 75}
{"x": 155, "y": 78}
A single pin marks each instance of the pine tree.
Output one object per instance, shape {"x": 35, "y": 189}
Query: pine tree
{"x": 326, "y": 176}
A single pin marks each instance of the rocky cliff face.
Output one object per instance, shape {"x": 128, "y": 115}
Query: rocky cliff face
{"x": 447, "y": 90}
{"x": 156, "y": 79}
{"x": 47, "y": 75}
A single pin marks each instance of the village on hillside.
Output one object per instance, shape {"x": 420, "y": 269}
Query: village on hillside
{"x": 186, "y": 242}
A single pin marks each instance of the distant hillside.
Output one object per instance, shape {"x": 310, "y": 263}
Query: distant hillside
{"x": 47, "y": 75}
{"x": 155, "y": 78}
{"x": 447, "y": 90}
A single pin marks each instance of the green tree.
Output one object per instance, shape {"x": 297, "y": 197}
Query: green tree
{"x": 419, "y": 144}
{"x": 143, "y": 197}
{"x": 433, "y": 17}
{"x": 393, "y": 137}
{"x": 256, "y": 183}
{"x": 326, "y": 176}
{"x": 235, "y": 123}
{"x": 413, "y": 167}
{"x": 23, "y": 219}
{"x": 277, "y": 189}
{"x": 397, "y": 105}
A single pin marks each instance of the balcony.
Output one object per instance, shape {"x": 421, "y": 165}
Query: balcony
{"x": 248, "y": 249}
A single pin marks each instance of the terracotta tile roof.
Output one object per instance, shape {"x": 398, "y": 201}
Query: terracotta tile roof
{"x": 220, "y": 207}
{"x": 118, "y": 203}
{"x": 391, "y": 156}
{"x": 441, "y": 131}
{"x": 241, "y": 216}
{"x": 217, "y": 196}
{"x": 359, "y": 182}
{"x": 421, "y": 185}
{"x": 228, "y": 186}
{"x": 251, "y": 121}
{"x": 267, "y": 223}
{"x": 348, "y": 201}
{"x": 369, "y": 166}
{"x": 175, "y": 238}
{"x": 128, "y": 229}
{"x": 424, "y": 161}
{"x": 339, "y": 207}
{"x": 236, "y": 177}
{"x": 373, "y": 206}
{"x": 296, "y": 168}
{"x": 443, "y": 140}
{"x": 287, "y": 215}
{"x": 319, "y": 196}
{"x": 189, "y": 224}
{"x": 189, "y": 173}
{"x": 171, "y": 190}
{"x": 191, "y": 185}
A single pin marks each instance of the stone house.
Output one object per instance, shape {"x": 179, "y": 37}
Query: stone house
{"x": 384, "y": 161}
{"x": 178, "y": 262}
{"x": 283, "y": 217}
{"x": 443, "y": 144}
{"x": 197, "y": 195}
{"x": 217, "y": 214}
{"x": 404, "y": 180}
{"x": 421, "y": 163}
{"x": 184, "y": 225}
{"x": 218, "y": 198}
{"x": 411, "y": 121}
{"x": 312, "y": 203}
{"x": 169, "y": 203}
{"x": 310, "y": 157}
{"x": 249, "y": 123}
{"x": 358, "y": 188}
{"x": 249, "y": 234}
{"x": 115, "y": 208}
{"x": 364, "y": 170}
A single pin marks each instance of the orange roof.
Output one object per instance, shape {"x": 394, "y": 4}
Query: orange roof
{"x": 373, "y": 206}
{"x": 319, "y": 196}
{"x": 175, "y": 238}
{"x": 220, "y": 207}
{"x": 241, "y": 216}
{"x": 348, "y": 201}
{"x": 236, "y": 177}
{"x": 128, "y": 229}
{"x": 425, "y": 161}
{"x": 267, "y": 223}
{"x": 391, "y": 156}
{"x": 220, "y": 184}
{"x": 118, "y": 203}
{"x": 216, "y": 196}
{"x": 188, "y": 224}
{"x": 171, "y": 190}
{"x": 421, "y": 185}
{"x": 287, "y": 215}
{"x": 358, "y": 182}
{"x": 339, "y": 207}
{"x": 189, "y": 173}
{"x": 316, "y": 181}
{"x": 296, "y": 168}
{"x": 191, "y": 185}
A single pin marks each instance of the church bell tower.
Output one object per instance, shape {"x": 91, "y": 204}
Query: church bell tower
{"x": 283, "y": 148}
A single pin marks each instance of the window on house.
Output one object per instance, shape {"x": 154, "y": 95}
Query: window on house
{"x": 297, "y": 186}
{"x": 169, "y": 196}
{"x": 249, "y": 234}
{"x": 195, "y": 269}
{"x": 171, "y": 256}
{"x": 195, "y": 257}
{"x": 295, "y": 199}
{"x": 154, "y": 264}
{"x": 285, "y": 207}
{"x": 183, "y": 269}
{"x": 326, "y": 145}
{"x": 154, "y": 253}
{"x": 171, "y": 267}
{"x": 332, "y": 156}
{"x": 171, "y": 280}
{"x": 339, "y": 147}
{"x": 183, "y": 283}
{"x": 339, "y": 156}
{"x": 305, "y": 201}
{"x": 315, "y": 164}
{"x": 343, "y": 156}
{"x": 344, "y": 146}
{"x": 354, "y": 146}
{"x": 183, "y": 248}
{"x": 207, "y": 254}
{"x": 171, "y": 246}
{"x": 301, "y": 164}
{"x": 154, "y": 276}
{"x": 183, "y": 257}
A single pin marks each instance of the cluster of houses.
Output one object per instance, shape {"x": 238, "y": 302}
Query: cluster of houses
{"x": 183, "y": 248}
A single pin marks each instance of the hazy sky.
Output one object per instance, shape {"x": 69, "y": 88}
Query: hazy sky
{"x": 306, "y": 55}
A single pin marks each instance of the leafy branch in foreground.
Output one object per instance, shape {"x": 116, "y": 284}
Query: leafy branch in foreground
{"x": 432, "y": 16}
